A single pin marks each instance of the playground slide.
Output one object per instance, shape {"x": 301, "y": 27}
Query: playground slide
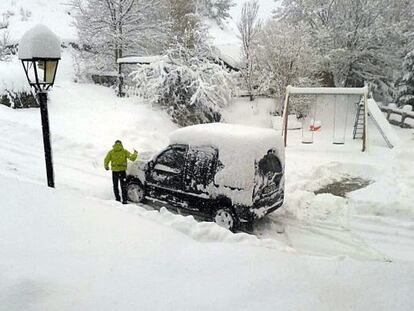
{"x": 382, "y": 124}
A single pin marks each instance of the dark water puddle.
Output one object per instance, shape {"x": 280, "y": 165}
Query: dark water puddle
{"x": 345, "y": 185}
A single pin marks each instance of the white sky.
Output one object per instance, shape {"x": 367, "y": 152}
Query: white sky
{"x": 265, "y": 10}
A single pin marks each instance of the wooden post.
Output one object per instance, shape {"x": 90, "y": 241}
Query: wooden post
{"x": 388, "y": 115}
{"x": 403, "y": 117}
{"x": 285, "y": 117}
{"x": 365, "y": 134}
{"x": 120, "y": 81}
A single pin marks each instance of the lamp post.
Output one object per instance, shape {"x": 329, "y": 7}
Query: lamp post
{"x": 39, "y": 51}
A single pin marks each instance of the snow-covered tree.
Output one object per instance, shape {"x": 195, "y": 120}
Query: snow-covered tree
{"x": 216, "y": 9}
{"x": 249, "y": 27}
{"x": 358, "y": 41}
{"x": 109, "y": 29}
{"x": 183, "y": 21}
{"x": 406, "y": 83}
{"x": 282, "y": 58}
{"x": 186, "y": 82}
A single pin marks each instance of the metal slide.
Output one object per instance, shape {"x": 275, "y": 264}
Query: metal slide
{"x": 382, "y": 124}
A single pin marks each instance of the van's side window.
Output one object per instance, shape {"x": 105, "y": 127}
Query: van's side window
{"x": 173, "y": 158}
{"x": 200, "y": 166}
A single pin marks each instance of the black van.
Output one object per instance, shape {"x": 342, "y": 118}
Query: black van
{"x": 229, "y": 173}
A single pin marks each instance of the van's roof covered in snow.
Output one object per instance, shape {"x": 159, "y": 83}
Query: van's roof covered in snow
{"x": 222, "y": 134}
{"x": 239, "y": 147}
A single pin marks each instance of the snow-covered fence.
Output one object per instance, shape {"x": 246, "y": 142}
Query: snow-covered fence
{"x": 404, "y": 113}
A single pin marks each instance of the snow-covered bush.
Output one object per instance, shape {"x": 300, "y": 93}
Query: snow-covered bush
{"x": 14, "y": 90}
{"x": 187, "y": 82}
{"x": 406, "y": 83}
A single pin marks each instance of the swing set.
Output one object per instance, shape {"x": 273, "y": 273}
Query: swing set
{"x": 329, "y": 111}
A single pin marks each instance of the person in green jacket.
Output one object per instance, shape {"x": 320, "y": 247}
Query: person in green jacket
{"x": 118, "y": 158}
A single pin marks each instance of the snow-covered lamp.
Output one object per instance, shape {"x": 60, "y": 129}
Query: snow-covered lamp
{"x": 39, "y": 51}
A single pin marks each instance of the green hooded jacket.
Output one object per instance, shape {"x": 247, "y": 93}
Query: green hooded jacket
{"x": 118, "y": 157}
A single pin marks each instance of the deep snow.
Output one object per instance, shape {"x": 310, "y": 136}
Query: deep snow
{"x": 60, "y": 251}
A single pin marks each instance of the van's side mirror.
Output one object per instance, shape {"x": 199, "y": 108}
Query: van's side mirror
{"x": 151, "y": 165}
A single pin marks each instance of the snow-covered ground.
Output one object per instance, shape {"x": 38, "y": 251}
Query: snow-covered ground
{"x": 62, "y": 251}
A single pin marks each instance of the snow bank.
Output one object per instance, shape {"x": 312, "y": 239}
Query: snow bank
{"x": 391, "y": 194}
{"x": 206, "y": 232}
{"x": 239, "y": 147}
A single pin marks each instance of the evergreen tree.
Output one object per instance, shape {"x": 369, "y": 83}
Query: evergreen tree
{"x": 406, "y": 83}
{"x": 216, "y": 9}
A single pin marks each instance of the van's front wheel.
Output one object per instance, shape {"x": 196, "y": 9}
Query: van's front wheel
{"x": 225, "y": 218}
{"x": 135, "y": 192}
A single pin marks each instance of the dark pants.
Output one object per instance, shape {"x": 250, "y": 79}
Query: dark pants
{"x": 119, "y": 177}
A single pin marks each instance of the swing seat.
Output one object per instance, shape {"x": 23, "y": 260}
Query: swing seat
{"x": 314, "y": 128}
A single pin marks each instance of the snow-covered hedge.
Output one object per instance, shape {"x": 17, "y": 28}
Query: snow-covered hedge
{"x": 14, "y": 90}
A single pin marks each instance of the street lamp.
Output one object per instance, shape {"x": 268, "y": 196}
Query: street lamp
{"x": 39, "y": 51}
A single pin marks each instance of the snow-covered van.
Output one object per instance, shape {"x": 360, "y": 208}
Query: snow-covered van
{"x": 230, "y": 173}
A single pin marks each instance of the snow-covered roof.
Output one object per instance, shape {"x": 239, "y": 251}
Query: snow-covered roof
{"x": 139, "y": 59}
{"x": 231, "y": 54}
{"x": 223, "y": 135}
{"x": 239, "y": 147}
{"x": 39, "y": 42}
